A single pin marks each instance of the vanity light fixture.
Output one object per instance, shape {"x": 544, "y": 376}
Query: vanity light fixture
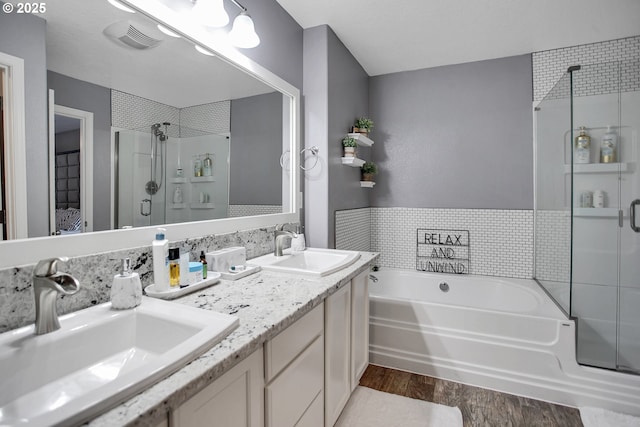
{"x": 243, "y": 33}
{"x": 203, "y": 50}
{"x": 168, "y": 31}
{"x": 211, "y": 13}
{"x": 117, "y": 4}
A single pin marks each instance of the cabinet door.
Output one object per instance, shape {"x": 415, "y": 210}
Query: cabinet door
{"x": 236, "y": 399}
{"x": 337, "y": 381}
{"x": 359, "y": 327}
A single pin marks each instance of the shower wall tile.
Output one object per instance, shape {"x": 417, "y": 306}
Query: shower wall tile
{"x": 550, "y": 65}
{"x": 134, "y": 112}
{"x": 210, "y": 118}
{"x": 252, "y": 210}
{"x": 95, "y": 273}
{"x": 501, "y": 241}
{"x": 353, "y": 229}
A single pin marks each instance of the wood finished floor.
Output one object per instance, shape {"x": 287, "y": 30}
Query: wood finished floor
{"x": 479, "y": 407}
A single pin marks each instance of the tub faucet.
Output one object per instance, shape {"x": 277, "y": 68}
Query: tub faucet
{"x": 48, "y": 282}
{"x": 279, "y": 236}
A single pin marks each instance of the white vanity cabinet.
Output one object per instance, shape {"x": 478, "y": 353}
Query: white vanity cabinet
{"x": 346, "y": 344}
{"x": 235, "y": 399}
{"x": 294, "y": 367}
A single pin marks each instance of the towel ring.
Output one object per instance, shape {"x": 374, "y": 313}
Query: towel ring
{"x": 314, "y": 152}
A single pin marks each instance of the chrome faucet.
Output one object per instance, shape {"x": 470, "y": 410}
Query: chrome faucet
{"x": 47, "y": 284}
{"x": 279, "y": 236}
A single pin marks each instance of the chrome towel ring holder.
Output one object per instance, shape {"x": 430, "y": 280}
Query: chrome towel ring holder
{"x": 314, "y": 152}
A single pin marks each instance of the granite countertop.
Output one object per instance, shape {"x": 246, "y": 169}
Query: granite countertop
{"x": 265, "y": 302}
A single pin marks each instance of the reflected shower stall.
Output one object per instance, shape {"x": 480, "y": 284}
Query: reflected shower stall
{"x": 587, "y": 230}
{"x": 161, "y": 176}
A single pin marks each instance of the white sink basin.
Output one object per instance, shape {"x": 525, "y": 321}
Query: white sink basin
{"x": 312, "y": 261}
{"x": 98, "y": 358}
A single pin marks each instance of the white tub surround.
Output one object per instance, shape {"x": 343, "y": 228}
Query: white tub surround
{"x": 266, "y": 304}
{"x": 505, "y": 335}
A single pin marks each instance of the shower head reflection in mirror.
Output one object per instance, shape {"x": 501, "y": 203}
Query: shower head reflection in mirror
{"x": 21, "y": 252}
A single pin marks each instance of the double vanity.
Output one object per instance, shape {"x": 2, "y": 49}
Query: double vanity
{"x": 282, "y": 347}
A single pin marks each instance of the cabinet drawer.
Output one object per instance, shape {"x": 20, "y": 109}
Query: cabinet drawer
{"x": 290, "y": 395}
{"x": 282, "y": 349}
{"x": 314, "y": 416}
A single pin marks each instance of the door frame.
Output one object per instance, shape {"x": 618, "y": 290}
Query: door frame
{"x": 86, "y": 162}
{"x": 15, "y": 165}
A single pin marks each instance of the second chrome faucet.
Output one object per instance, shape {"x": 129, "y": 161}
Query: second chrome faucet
{"x": 279, "y": 236}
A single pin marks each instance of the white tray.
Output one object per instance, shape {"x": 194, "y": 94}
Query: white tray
{"x": 213, "y": 277}
{"x": 250, "y": 269}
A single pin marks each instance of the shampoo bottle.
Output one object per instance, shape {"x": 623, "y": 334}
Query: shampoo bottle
{"x": 174, "y": 267}
{"x": 207, "y": 166}
{"x": 582, "y": 149}
{"x": 160, "y": 254}
{"x": 177, "y": 194}
{"x": 126, "y": 290}
{"x": 608, "y": 146}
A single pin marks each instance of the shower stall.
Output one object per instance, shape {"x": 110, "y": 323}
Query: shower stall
{"x": 587, "y": 225}
{"x": 160, "y": 178}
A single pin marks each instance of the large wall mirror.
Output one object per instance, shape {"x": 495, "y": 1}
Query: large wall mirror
{"x": 144, "y": 128}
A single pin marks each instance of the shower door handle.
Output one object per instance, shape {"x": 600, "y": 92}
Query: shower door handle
{"x": 142, "y": 211}
{"x": 632, "y": 215}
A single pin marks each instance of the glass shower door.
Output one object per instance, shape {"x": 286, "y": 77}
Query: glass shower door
{"x": 629, "y": 285}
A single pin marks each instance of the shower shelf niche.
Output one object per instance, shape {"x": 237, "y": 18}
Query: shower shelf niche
{"x": 599, "y": 168}
{"x": 597, "y": 212}
{"x": 202, "y": 205}
{"x": 196, "y": 179}
{"x": 178, "y": 205}
{"x": 180, "y": 180}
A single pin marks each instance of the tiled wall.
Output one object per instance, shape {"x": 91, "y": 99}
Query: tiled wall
{"x": 133, "y": 112}
{"x": 95, "y": 273}
{"x": 500, "y": 240}
{"x": 550, "y": 65}
{"x": 353, "y": 229}
{"x": 251, "y": 210}
{"x": 553, "y": 245}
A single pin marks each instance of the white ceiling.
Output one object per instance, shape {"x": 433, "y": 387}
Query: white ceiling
{"x": 388, "y": 36}
{"x": 172, "y": 73}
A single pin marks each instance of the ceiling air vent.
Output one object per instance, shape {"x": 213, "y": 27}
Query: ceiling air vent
{"x": 133, "y": 34}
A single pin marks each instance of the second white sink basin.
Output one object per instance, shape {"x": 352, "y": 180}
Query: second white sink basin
{"x": 98, "y": 358}
{"x": 312, "y": 261}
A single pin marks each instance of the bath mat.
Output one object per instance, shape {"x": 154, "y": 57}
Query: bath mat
{"x": 372, "y": 408}
{"x": 598, "y": 417}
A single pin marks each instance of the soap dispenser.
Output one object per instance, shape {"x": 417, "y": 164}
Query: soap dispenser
{"x": 126, "y": 290}
{"x": 298, "y": 243}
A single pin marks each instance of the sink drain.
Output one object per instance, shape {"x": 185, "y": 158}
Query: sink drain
{"x": 444, "y": 287}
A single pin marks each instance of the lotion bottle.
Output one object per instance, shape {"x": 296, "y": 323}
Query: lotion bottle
{"x": 160, "y": 254}
{"x": 298, "y": 243}
{"x": 582, "y": 149}
{"x": 608, "y": 146}
{"x": 126, "y": 290}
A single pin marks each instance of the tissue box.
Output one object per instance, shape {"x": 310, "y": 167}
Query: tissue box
{"x": 224, "y": 258}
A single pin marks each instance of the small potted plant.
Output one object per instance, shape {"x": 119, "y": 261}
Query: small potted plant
{"x": 349, "y": 145}
{"x": 369, "y": 170}
{"x": 363, "y": 125}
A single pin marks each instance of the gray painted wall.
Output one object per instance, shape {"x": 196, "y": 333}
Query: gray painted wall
{"x": 24, "y": 36}
{"x": 280, "y": 48}
{"x": 335, "y": 93}
{"x": 82, "y": 95}
{"x": 457, "y": 136}
{"x": 255, "y": 177}
{"x": 67, "y": 141}
{"x": 348, "y": 94}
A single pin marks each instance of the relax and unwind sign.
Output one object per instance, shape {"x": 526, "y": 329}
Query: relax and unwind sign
{"x": 442, "y": 251}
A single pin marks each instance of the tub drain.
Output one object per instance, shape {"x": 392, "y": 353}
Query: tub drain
{"x": 444, "y": 287}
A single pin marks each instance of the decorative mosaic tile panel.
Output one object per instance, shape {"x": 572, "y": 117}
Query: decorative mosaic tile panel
{"x": 134, "y": 112}
{"x": 550, "y": 65}
{"x": 251, "y": 210}
{"x": 210, "y": 118}
{"x": 353, "y": 229}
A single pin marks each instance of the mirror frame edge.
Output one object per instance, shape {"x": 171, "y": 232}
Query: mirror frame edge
{"x": 31, "y": 250}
